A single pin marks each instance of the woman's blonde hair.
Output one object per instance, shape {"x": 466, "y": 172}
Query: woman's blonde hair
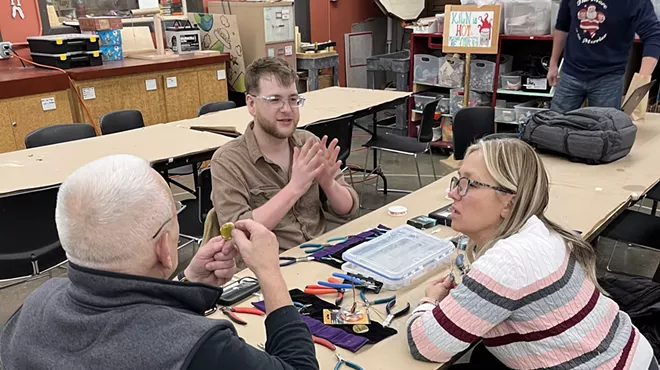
{"x": 514, "y": 165}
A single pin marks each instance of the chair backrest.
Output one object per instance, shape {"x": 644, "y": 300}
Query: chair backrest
{"x": 59, "y": 134}
{"x": 501, "y": 135}
{"x": 471, "y": 124}
{"x": 29, "y": 240}
{"x": 121, "y": 120}
{"x": 204, "y": 193}
{"x": 425, "y": 133}
{"x": 215, "y": 107}
{"x": 340, "y": 128}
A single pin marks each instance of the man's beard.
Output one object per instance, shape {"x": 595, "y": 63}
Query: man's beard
{"x": 271, "y": 128}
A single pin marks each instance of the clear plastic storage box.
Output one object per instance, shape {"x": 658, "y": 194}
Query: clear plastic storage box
{"x": 527, "y": 109}
{"x": 423, "y": 98}
{"x": 511, "y": 81}
{"x": 452, "y": 72}
{"x": 525, "y": 18}
{"x": 443, "y": 106}
{"x": 426, "y": 69}
{"x": 456, "y": 100}
{"x": 482, "y": 75}
{"x": 398, "y": 257}
{"x": 506, "y": 114}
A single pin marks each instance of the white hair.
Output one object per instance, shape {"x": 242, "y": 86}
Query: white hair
{"x": 108, "y": 211}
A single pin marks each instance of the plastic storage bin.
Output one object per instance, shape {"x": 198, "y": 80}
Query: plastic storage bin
{"x": 62, "y": 44}
{"x": 69, "y": 60}
{"x": 426, "y": 69}
{"x": 511, "y": 81}
{"x": 527, "y": 17}
{"x": 482, "y": 75}
{"x": 443, "y": 105}
{"x": 452, "y": 72}
{"x": 423, "y": 98}
{"x": 398, "y": 257}
{"x": 506, "y": 114}
{"x": 506, "y": 64}
{"x": 527, "y": 109}
{"x": 456, "y": 100}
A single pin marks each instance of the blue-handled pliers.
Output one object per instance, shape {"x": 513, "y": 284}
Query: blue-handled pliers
{"x": 357, "y": 283}
{"x": 342, "y": 361}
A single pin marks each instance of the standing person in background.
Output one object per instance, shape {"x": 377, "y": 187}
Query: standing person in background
{"x": 274, "y": 173}
{"x": 596, "y": 37}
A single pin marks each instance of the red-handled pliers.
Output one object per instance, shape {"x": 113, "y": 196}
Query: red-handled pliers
{"x": 324, "y": 342}
{"x": 232, "y": 311}
{"x": 322, "y": 290}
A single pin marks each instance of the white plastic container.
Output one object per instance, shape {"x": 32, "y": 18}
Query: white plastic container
{"x": 525, "y": 18}
{"x": 398, "y": 257}
{"x": 482, "y": 75}
{"x": 426, "y": 69}
{"x": 525, "y": 110}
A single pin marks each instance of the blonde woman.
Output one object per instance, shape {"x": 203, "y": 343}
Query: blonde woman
{"x": 531, "y": 293}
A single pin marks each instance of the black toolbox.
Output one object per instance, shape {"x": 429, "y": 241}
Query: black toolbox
{"x": 69, "y": 60}
{"x": 62, "y": 44}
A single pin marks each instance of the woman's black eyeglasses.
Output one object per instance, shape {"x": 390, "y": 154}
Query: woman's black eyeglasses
{"x": 463, "y": 184}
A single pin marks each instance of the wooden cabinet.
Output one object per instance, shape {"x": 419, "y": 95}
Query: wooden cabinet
{"x": 212, "y": 88}
{"x": 20, "y": 116}
{"x": 182, "y": 90}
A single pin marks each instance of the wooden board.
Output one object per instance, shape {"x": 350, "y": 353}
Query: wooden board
{"x": 323, "y": 104}
{"x": 470, "y": 29}
{"x": 50, "y": 165}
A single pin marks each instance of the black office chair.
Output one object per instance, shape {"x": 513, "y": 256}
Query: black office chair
{"x": 30, "y": 244}
{"x": 340, "y": 128}
{"x": 503, "y": 135}
{"x": 471, "y": 124}
{"x": 121, "y": 120}
{"x": 193, "y": 212}
{"x": 215, "y": 107}
{"x": 407, "y": 145}
{"x": 56, "y": 134}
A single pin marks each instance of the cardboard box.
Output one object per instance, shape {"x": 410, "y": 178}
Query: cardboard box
{"x": 100, "y": 23}
{"x": 112, "y": 53}
{"x": 109, "y": 37}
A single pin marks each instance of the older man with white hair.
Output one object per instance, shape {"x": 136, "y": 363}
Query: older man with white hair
{"x": 117, "y": 310}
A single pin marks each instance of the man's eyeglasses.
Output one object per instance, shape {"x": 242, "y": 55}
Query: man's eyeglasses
{"x": 161, "y": 227}
{"x": 463, "y": 184}
{"x": 277, "y": 102}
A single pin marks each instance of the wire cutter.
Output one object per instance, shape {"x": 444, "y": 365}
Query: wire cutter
{"x": 232, "y": 311}
{"x": 342, "y": 361}
{"x": 310, "y": 248}
{"x": 393, "y": 315}
{"x": 357, "y": 283}
{"x": 302, "y": 307}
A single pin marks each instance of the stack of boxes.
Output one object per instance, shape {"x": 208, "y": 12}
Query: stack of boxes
{"x": 108, "y": 29}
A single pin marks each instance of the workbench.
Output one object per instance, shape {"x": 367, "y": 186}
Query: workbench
{"x": 312, "y": 63}
{"x": 606, "y": 189}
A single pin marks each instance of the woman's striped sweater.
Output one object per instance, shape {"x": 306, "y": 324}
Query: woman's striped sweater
{"x": 534, "y": 307}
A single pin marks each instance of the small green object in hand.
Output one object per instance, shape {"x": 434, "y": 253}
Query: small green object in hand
{"x": 226, "y": 229}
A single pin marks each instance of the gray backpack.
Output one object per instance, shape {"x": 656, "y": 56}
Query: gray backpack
{"x": 591, "y": 135}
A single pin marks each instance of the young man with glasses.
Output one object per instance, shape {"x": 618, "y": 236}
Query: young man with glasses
{"x": 274, "y": 173}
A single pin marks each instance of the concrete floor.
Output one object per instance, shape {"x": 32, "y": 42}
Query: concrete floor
{"x": 401, "y": 174}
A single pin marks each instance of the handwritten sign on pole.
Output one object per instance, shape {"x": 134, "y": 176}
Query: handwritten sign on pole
{"x": 471, "y": 29}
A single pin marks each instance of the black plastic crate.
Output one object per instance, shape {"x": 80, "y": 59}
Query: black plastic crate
{"x": 69, "y": 60}
{"x": 62, "y": 44}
